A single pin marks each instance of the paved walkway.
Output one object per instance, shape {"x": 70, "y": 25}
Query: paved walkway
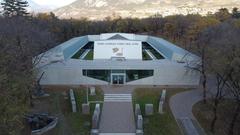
{"x": 117, "y": 118}
{"x": 181, "y": 106}
{"x": 117, "y": 113}
{"x": 182, "y": 103}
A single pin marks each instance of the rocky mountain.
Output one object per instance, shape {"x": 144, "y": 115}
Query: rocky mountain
{"x": 100, "y": 9}
{"x": 34, "y": 7}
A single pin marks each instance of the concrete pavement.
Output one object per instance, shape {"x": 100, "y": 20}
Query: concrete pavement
{"x": 182, "y": 104}
{"x": 117, "y": 116}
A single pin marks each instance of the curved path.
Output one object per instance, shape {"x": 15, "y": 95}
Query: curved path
{"x": 182, "y": 104}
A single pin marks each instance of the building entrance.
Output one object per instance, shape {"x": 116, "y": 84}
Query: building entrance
{"x": 118, "y": 79}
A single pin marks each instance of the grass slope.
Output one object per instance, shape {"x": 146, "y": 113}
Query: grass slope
{"x": 57, "y": 105}
{"x": 157, "y": 124}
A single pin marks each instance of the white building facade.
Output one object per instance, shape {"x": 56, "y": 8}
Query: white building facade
{"x": 117, "y": 59}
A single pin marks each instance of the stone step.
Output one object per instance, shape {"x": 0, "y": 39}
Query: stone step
{"x": 117, "y": 134}
{"x": 117, "y": 101}
{"x": 117, "y": 98}
{"x": 117, "y": 94}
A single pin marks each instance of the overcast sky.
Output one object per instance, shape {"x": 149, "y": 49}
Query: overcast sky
{"x": 54, "y": 2}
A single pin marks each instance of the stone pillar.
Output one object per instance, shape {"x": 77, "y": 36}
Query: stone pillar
{"x": 139, "y": 132}
{"x": 92, "y": 91}
{"x": 95, "y": 119}
{"x": 97, "y": 108}
{"x": 137, "y": 110}
{"x": 161, "y": 102}
{"x": 140, "y": 122}
{"x": 148, "y": 109}
{"x": 163, "y": 96}
{"x": 160, "y": 107}
{"x": 94, "y": 132}
{"x": 74, "y": 106}
{"x": 85, "y": 109}
{"x": 73, "y": 101}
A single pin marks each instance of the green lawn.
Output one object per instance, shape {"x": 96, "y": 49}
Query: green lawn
{"x": 72, "y": 123}
{"x": 157, "y": 124}
{"x": 89, "y": 56}
{"x": 80, "y": 123}
{"x": 98, "y": 97}
{"x": 69, "y": 123}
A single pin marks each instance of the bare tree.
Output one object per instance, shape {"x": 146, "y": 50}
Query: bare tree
{"x": 20, "y": 40}
{"x": 218, "y": 96}
{"x": 234, "y": 85}
{"x": 201, "y": 65}
{"x": 225, "y": 65}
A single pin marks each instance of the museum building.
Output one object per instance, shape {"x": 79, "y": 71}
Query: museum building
{"x": 117, "y": 59}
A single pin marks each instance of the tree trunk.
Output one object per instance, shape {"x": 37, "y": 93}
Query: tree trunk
{"x": 204, "y": 83}
{"x": 214, "y": 117}
{"x": 234, "y": 119}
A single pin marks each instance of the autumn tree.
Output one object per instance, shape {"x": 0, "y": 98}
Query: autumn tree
{"x": 196, "y": 27}
{"x": 155, "y": 23}
{"x": 235, "y": 13}
{"x": 223, "y": 14}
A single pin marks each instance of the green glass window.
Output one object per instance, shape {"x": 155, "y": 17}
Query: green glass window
{"x": 145, "y": 45}
{"x": 133, "y": 75}
{"x": 103, "y": 75}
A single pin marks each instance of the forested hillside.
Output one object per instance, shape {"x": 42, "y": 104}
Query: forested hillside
{"x": 99, "y": 9}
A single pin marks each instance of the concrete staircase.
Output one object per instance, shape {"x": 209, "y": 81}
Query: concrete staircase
{"x": 117, "y": 115}
{"x": 117, "y": 98}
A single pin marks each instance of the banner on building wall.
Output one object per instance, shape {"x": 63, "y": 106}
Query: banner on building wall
{"x": 117, "y": 48}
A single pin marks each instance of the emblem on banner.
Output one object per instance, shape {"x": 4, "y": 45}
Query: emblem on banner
{"x": 118, "y": 52}
{"x": 115, "y": 50}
